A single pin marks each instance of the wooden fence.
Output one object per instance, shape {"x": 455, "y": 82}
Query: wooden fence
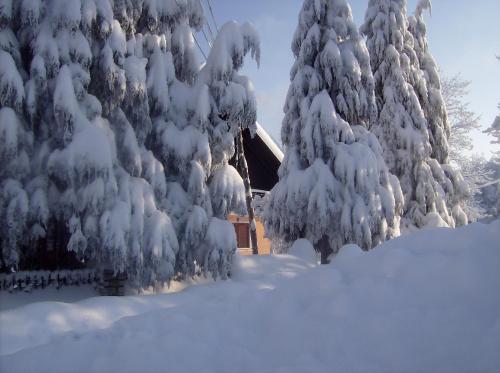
{"x": 29, "y": 280}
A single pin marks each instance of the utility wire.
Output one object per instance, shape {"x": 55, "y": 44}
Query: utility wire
{"x": 199, "y": 46}
{"x": 207, "y": 21}
{"x": 212, "y": 13}
{"x": 209, "y": 29}
{"x": 206, "y": 38}
{"x": 211, "y": 40}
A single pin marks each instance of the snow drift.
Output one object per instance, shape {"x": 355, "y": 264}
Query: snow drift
{"x": 423, "y": 302}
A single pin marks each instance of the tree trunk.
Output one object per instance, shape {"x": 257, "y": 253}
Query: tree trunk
{"x": 243, "y": 170}
{"x": 324, "y": 249}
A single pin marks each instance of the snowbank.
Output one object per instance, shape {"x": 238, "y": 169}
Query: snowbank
{"x": 428, "y": 301}
{"x": 304, "y": 250}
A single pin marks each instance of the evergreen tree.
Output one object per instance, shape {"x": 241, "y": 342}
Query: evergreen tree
{"x": 111, "y": 144}
{"x": 402, "y": 126}
{"x": 152, "y": 51}
{"x": 229, "y": 107}
{"x": 179, "y": 138}
{"x": 88, "y": 160}
{"x": 433, "y": 103}
{"x": 15, "y": 144}
{"x": 434, "y": 108}
{"x": 494, "y": 131}
{"x": 14, "y": 168}
{"x": 334, "y": 186}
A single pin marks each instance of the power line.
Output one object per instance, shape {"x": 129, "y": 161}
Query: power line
{"x": 212, "y": 13}
{"x": 209, "y": 29}
{"x": 206, "y": 38}
{"x": 207, "y": 23}
{"x": 211, "y": 40}
{"x": 199, "y": 46}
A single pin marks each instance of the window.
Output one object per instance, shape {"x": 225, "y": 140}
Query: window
{"x": 242, "y": 234}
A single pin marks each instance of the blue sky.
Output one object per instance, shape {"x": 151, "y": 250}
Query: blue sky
{"x": 464, "y": 37}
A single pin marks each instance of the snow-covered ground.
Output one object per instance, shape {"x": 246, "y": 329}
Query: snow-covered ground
{"x": 429, "y": 301}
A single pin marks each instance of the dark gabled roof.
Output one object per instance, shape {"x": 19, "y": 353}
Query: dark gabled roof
{"x": 263, "y": 157}
{"x": 270, "y": 143}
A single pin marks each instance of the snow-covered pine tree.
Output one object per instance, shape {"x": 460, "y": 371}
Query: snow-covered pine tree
{"x": 122, "y": 134}
{"x": 177, "y": 108}
{"x": 433, "y": 103}
{"x": 228, "y": 107}
{"x": 433, "y": 106}
{"x": 132, "y": 48}
{"x": 76, "y": 144}
{"x": 334, "y": 186}
{"x": 179, "y": 138}
{"x": 494, "y": 131}
{"x": 15, "y": 140}
{"x": 15, "y": 144}
{"x": 234, "y": 104}
{"x": 402, "y": 127}
{"x": 94, "y": 189}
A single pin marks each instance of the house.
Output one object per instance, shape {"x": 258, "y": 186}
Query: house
{"x": 264, "y": 158}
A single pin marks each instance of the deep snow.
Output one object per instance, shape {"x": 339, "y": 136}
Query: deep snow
{"x": 428, "y": 301}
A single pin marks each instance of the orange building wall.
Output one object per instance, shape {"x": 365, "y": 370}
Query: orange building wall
{"x": 263, "y": 243}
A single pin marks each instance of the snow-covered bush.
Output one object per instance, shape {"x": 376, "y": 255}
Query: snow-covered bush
{"x": 334, "y": 185}
{"x": 402, "y": 128}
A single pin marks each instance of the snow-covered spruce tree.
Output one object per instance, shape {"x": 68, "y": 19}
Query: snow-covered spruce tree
{"x": 233, "y": 107}
{"x": 334, "y": 186}
{"x": 432, "y": 103}
{"x": 75, "y": 143}
{"x": 402, "y": 127}
{"x": 122, "y": 136}
{"x": 226, "y": 106}
{"x": 494, "y": 131}
{"x": 169, "y": 112}
{"x": 16, "y": 142}
{"x": 179, "y": 138}
{"x": 130, "y": 103}
{"x": 434, "y": 108}
{"x": 85, "y": 195}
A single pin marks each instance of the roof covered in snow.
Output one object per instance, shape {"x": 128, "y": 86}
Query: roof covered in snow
{"x": 269, "y": 141}
{"x": 264, "y": 158}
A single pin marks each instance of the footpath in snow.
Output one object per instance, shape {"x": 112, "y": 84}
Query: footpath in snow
{"x": 429, "y": 301}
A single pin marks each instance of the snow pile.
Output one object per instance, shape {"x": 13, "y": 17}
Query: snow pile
{"x": 304, "y": 250}
{"x": 423, "y": 302}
